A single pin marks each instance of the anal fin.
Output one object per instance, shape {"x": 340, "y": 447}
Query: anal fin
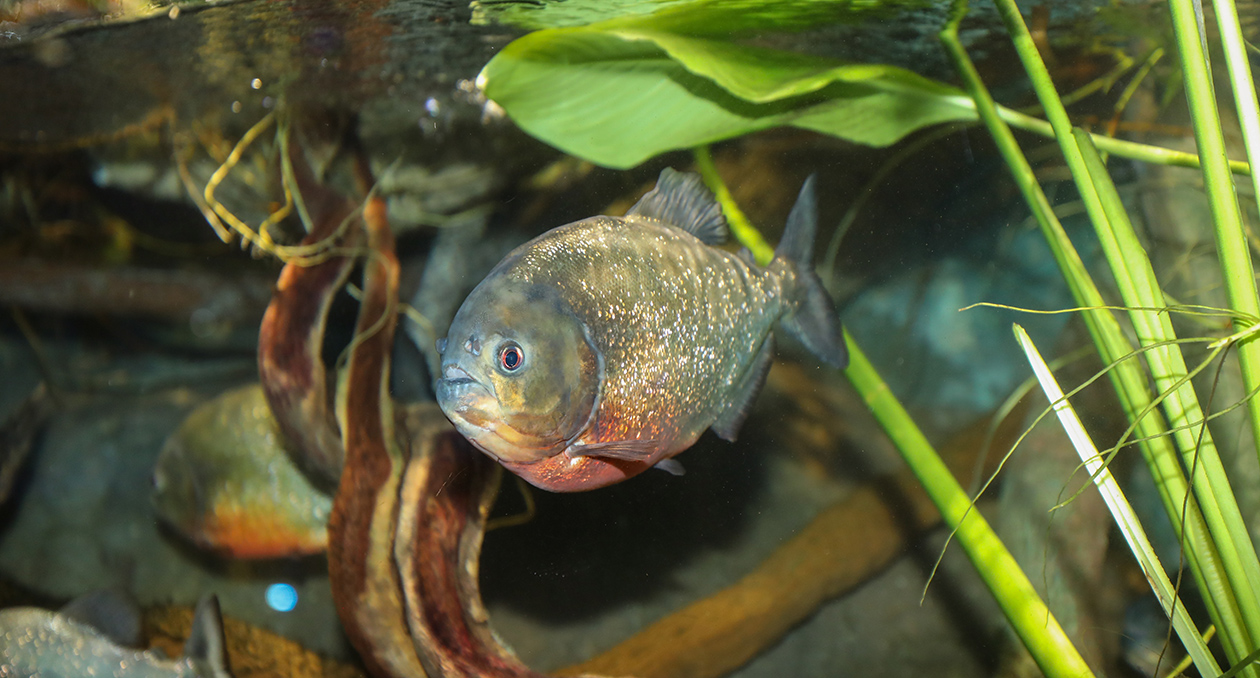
{"x": 728, "y": 423}
{"x": 670, "y": 466}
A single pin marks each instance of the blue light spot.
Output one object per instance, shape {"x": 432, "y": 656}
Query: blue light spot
{"x": 282, "y": 597}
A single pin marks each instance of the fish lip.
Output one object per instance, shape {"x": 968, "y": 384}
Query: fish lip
{"x": 457, "y": 390}
{"x": 454, "y": 375}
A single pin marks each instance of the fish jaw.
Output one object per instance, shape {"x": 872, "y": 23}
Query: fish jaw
{"x": 177, "y": 496}
{"x": 474, "y": 410}
{"x": 562, "y": 473}
{"x": 472, "y": 407}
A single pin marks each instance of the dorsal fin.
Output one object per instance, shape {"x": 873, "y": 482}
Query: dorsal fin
{"x": 681, "y": 199}
{"x": 110, "y": 612}
{"x": 205, "y": 644}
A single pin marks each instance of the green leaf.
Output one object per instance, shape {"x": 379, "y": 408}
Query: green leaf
{"x": 617, "y": 94}
{"x": 752, "y": 73}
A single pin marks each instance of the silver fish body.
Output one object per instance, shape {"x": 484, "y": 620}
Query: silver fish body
{"x": 38, "y": 643}
{"x": 610, "y": 344}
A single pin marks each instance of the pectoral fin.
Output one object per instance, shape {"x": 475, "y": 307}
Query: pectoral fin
{"x": 728, "y": 423}
{"x": 625, "y": 450}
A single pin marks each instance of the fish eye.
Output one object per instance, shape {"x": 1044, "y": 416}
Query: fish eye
{"x": 441, "y": 345}
{"x": 511, "y": 357}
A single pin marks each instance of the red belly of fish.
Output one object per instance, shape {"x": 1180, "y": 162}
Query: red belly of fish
{"x": 560, "y": 473}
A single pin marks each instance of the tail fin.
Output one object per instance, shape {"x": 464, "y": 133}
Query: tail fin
{"x": 811, "y": 317}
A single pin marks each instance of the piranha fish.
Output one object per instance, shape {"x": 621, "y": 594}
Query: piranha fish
{"x": 225, "y": 481}
{"x": 608, "y": 345}
{"x": 95, "y": 636}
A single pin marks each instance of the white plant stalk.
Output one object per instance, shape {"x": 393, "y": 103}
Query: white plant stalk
{"x": 1121, "y": 511}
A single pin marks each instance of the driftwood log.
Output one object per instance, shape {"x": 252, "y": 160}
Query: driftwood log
{"x": 846, "y": 544}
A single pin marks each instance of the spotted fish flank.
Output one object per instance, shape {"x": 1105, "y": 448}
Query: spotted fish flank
{"x": 225, "y": 481}
{"x": 609, "y": 345}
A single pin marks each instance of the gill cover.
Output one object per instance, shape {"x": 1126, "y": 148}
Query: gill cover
{"x": 537, "y": 372}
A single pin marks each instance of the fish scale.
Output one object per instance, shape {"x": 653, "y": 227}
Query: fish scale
{"x": 677, "y": 320}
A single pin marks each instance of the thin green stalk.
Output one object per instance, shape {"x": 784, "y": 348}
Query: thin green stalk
{"x": 1240, "y": 80}
{"x": 1026, "y": 611}
{"x": 1127, "y": 377}
{"x": 1024, "y": 608}
{"x": 1242, "y": 293}
{"x": 1231, "y": 241}
{"x": 1140, "y": 288}
{"x": 743, "y": 230}
{"x": 1120, "y": 147}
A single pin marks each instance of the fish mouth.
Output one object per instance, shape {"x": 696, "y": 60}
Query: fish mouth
{"x": 473, "y": 407}
{"x": 460, "y": 395}
{"x": 453, "y": 376}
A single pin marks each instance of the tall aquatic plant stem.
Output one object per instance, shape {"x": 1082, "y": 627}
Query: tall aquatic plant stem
{"x": 1127, "y": 377}
{"x": 1121, "y": 147}
{"x": 1027, "y": 612}
{"x": 743, "y": 230}
{"x": 1232, "y": 245}
{"x": 1024, "y": 608}
{"x": 1139, "y": 287}
{"x": 1130, "y": 527}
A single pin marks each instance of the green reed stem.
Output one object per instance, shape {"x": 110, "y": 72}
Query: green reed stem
{"x": 1119, "y": 147}
{"x": 1140, "y": 288}
{"x": 1230, "y": 239}
{"x": 1231, "y": 242}
{"x": 743, "y": 230}
{"x": 1127, "y": 377}
{"x": 1027, "y": 613}
{"x": 1024, "y": 608}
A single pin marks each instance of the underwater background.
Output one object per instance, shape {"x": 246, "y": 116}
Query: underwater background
{"x": 143, "y": 145}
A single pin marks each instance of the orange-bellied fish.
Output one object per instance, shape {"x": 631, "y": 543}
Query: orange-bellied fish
{"x": 96, "y": 636}
{"x": 224, "y": 480}
{"x": 608, "y": 345}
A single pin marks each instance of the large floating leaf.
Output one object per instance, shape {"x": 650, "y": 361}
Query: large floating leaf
{"x": 620, "y": 92}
